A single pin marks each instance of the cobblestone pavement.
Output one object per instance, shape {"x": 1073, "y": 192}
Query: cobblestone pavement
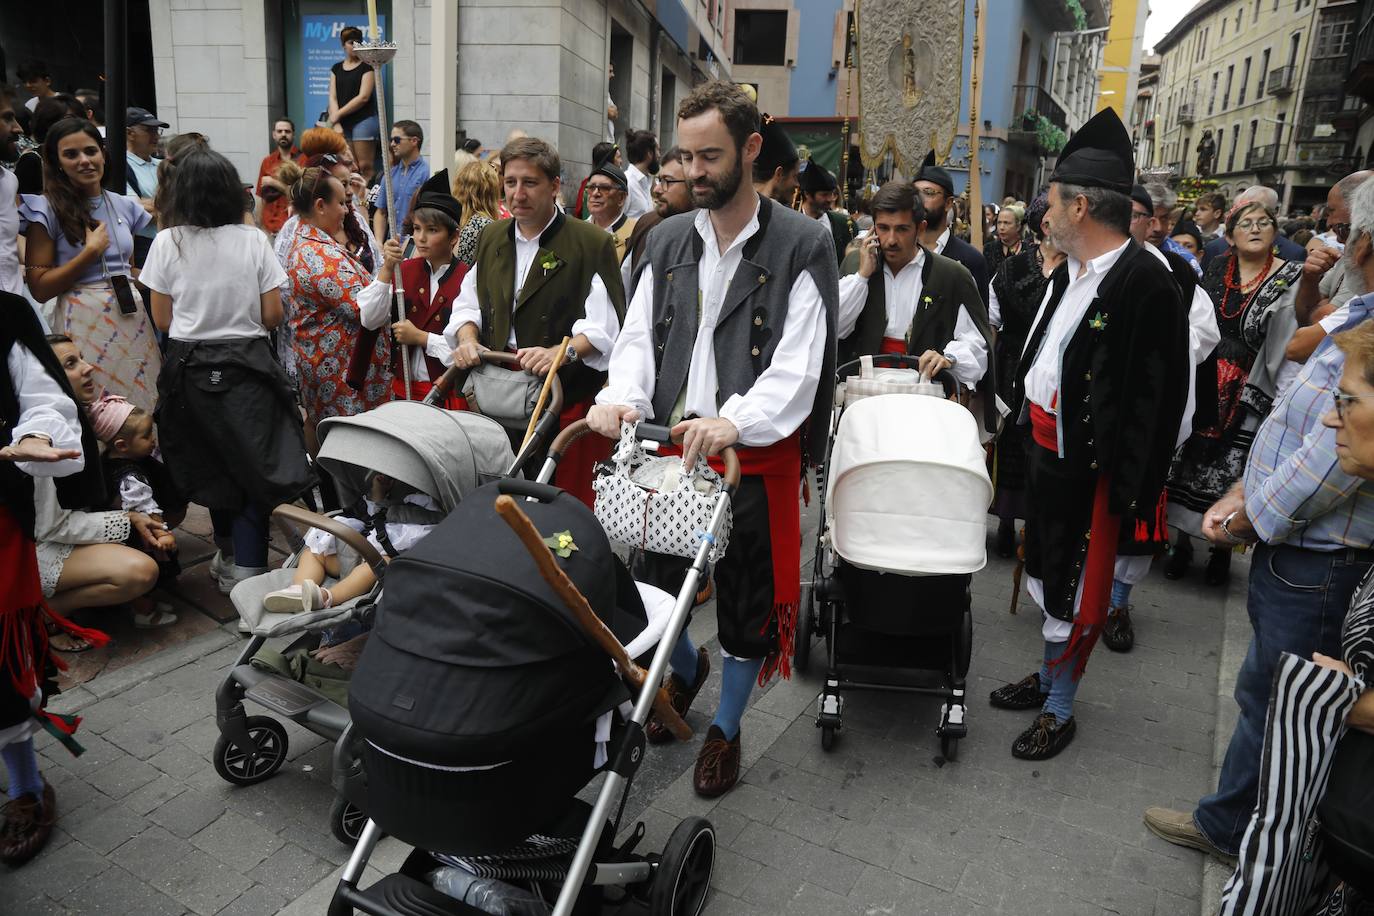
{"x": 879, "y": 825}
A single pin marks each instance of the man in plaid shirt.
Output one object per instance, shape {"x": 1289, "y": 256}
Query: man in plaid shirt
{"x": 1315, "y": 527}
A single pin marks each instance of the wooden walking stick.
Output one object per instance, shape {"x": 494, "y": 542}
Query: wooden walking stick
{"x": 544, "y": 394}
{"x": 558, "y": 580}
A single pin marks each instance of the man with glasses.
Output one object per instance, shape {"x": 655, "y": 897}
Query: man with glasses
{"x": 936, "y": 190}
{"x": 142, "y": 133}
{"x": 409, "y": 171}
{"x": 607, "y": 189}
{"x": 670, "y": 198}
{"x": 1314, "y": 523}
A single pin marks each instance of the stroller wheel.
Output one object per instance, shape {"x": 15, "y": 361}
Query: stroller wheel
{"x": 949, "y": 747}
{"x": 827, "y": 737}
{"x": 233, "y": 765}
{"x": 683, "y": 877}
{"x": 346, "y": 821}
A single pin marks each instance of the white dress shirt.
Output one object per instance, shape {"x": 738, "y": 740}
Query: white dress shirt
{"x": 968, "y": 350}
{"x": 640, "y": 200}
{"x": 943, "y": 240}
{"x": 781, "y": 397}
{"x": 1203, "y": 335}
{"x": 44, "y": 409}
{"x": 599, "y": 324}
{"x": 374, "y": 310}
{"x": 1042, "y": 378}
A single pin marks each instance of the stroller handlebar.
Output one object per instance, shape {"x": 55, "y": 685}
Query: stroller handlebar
{"x": 907, "y": 361}
{"x": 648, "y": 432}
{"x": 303, "y": 516}
{"x": 455, "y": 375}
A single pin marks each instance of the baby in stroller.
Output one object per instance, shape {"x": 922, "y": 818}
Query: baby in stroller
{"x": 392, "y": 516}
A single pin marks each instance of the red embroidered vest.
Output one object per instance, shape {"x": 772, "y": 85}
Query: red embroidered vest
{"x": 427, "y": 314}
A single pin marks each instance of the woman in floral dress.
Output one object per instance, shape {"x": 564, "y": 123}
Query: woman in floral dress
{"x": 324, "y": 282}
{"x": 1244, "y": 285}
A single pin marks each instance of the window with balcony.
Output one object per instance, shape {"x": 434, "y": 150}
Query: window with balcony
{"x": 1255, "y": 18}
{"x": 1240, "y": 11}
{"x": 1226, "y": 96}
{"x": 1244, "y": 81}
{"x": 1235, "y": 142}
{"x": 1212, "y": 96}
{"x": 761, "y": 38}
{"x": 1333, "y": 37}
{"x": 1263, "y": 72}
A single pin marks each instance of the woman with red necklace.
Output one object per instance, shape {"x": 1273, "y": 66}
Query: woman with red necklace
{"x": 1244, "y": 286}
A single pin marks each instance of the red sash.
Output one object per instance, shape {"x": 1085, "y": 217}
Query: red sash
{"x": 418, "y": 391}
{"x": 893, "y": 345}
{"x": 780, "y": 467}
{"x": 574, "y": 472}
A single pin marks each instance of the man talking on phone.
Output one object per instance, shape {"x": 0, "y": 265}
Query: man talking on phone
{"x": 899, "y": 297}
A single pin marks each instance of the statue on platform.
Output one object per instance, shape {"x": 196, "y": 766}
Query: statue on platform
{"x": 1206, "y": 154}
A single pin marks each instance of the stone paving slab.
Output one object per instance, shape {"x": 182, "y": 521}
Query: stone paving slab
{"x": 881, "y": 824}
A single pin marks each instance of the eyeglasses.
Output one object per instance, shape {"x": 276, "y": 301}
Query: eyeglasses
{"x": 669, "y": 182}
{"x": 1261, "y": 224}
{"x": 1342, "y": 399}
{"x": 1340, "y": 230}
{"x": 394, "y": 140}
{"x": 601, "y": 188}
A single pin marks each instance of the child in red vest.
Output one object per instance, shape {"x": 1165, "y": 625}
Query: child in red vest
{"x": 429, "y": 286}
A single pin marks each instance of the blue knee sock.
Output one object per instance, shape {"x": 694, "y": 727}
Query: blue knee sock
{"x": 684, "y": 659}
{"x": 737, "y": 679}
{"x": 1121, "y": 594}
{"x": 22, "y": 763}
{"x": 1062, "y": 687}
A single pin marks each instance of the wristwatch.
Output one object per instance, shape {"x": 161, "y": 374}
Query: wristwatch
{"x": 1226, "y": 528}
{"x": 571, "y": 355}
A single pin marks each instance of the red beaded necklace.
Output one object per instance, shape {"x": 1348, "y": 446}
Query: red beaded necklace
{"x": 1247, "y": 290}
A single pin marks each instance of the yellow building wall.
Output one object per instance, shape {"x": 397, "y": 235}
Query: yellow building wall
{"x": 1120, "y": 56}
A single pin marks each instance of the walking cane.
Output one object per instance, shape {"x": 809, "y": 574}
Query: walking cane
{"x": 544, "y": 392}
{"x": 376, "y": 52}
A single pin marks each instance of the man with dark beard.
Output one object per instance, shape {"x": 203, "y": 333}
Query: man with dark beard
{"x": 820, "y": 195}
{"x": 936, "y": 189}
{"x": 272, "y": 194}
{"x": 1102, "y": 382}
{"x": 671, "y": 197}
{"x": 731, "y": 326}
{"x": 775, "y": 171}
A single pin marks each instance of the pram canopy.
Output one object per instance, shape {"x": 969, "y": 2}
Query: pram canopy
{"x": 444, "y": 453}
{"x": 909, "y": 489}
{"x": 474, "y": 660}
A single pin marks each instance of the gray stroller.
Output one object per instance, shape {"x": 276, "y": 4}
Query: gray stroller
{"x": 441, "y": 453}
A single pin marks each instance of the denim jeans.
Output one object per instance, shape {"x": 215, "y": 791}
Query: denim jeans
{"x": 1297, "y": 603}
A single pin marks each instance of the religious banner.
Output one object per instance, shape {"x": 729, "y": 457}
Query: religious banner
{"x": 910, "y": 61}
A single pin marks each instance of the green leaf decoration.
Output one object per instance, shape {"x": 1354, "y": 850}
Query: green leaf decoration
{"x": 561, "y": 543}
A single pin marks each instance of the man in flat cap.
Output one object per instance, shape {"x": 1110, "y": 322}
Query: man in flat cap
{"x": 820, "y": 194}
{"x": 775, "y": 171}
{"x": 936, "y": 188}
{"x": 607, "y": 189}
{"x": 1103, "y": 382}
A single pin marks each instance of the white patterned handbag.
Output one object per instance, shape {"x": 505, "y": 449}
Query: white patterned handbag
{"x": 646, "y": 501}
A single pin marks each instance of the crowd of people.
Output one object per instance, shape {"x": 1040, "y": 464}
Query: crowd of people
{"x": 1146, "y": 373}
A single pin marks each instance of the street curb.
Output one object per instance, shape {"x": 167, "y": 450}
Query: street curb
{"x": 129, "y": 677}
{"x": 1235, "y": 642}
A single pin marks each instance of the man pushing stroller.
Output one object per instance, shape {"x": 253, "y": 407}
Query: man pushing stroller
{"x": 731, "y": 324}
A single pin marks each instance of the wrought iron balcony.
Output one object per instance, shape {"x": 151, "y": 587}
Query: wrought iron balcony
{"x": 1260, "y": 157}
{"x": 1033, "y": 99}
{"x": 1186, "y": 112}
{"x": 1281, "y": 80}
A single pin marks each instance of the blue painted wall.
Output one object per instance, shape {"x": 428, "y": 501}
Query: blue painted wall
{"x": 812, "y": 90}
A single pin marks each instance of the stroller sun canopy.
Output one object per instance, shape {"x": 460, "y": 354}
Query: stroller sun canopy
{"x": 909, "y": 488}
{"x": 444, "y": 453}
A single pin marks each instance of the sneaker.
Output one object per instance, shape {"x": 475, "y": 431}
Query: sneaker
{"x": 28, "y": 826}
{"x": 717, "y": 768}
{"x": 296, "y": 599}
{"x": 219, "y": 566}
{"x": 1218, "y": 570}
{"x": 681, "y": 696}
{"x": 1023, "y": 694}
{"x": 235, "y": 574}
{"x": 1179, "y": 828}
{"x": 1119, "y": 634}
{"x": 1046, "y": 737}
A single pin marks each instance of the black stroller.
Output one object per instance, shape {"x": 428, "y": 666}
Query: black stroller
{"x": 903, "y": 503}
{"x": 485, "y": 701}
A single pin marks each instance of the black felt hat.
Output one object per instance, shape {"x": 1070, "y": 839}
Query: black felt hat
{"x": 614, "y": 172}
{"x": 435, "y": 195}
{"x": 1142, "y": 197}
{"x": 815, "y": 178}
{"x": 1185, "y": 226}
{"x": 1098, "y": 155}
{"x": 778, "y": 148}
{"x": 934, "y": 174}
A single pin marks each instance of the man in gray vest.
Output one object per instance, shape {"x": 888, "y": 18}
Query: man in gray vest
{"x": 901, "y": 297}
{"x": 731, "y": 326}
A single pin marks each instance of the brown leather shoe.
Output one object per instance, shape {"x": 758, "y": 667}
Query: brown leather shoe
{"x": 28, "y": 826}
{"x": 681, "y": 697}
{"x": 717, "y": 768}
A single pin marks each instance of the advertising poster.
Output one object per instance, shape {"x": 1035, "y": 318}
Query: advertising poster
{"x": 320, "y": 50}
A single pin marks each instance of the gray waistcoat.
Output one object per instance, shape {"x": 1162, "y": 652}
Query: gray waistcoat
{"x": 754, "y": 313}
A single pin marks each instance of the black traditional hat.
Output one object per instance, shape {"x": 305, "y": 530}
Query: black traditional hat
{"x": 614, "y": 172}
{"x": 1142, "y": 197}
{"x": 778, "y": 148}
{"x": 1098, "y": 155}
{"x": 934, "y": 174}
{"x": 435, "y": 195}
{"x": 1185, "y": 226}
{"x": 815, "y": 178}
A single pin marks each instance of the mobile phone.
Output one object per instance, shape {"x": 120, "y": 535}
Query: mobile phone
{"x": 124, "y": 293}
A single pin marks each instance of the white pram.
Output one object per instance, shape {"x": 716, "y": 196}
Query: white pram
{"x": 904, "y": 495}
